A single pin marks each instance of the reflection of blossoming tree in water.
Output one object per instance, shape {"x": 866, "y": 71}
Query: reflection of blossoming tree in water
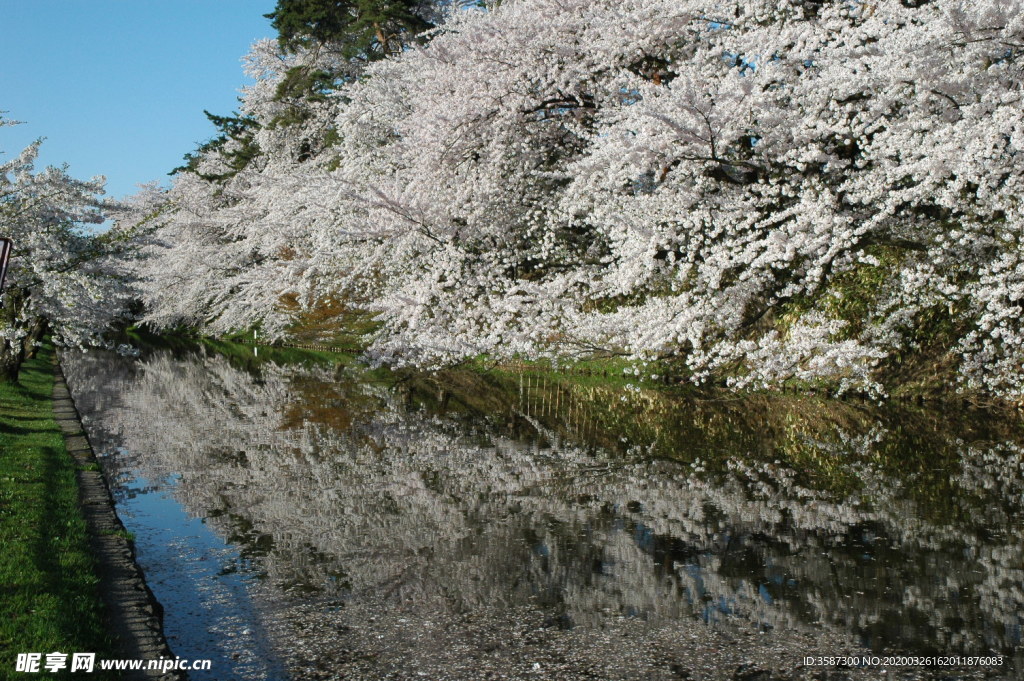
{"x": 371, "y": 493}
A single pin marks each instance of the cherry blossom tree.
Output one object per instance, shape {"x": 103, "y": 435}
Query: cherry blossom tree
{"x": 702, "y": 182}
{"x": 63, "y": 278}
{"x": 756, "y": 193}
{"x": 217, "y": 259}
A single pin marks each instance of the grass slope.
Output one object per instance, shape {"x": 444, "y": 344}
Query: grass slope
{"x": 50, "y": 598}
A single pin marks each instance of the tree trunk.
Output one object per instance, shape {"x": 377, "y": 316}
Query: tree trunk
{"x": 10, "y": 365}
{"x": 381, "y": 38}
{"x": 36, "y": 332}
{"x": 12, "y": 350}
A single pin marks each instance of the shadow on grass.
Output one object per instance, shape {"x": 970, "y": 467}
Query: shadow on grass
{"x": 18, "y": 430}
{"x": 61, "y": 554}
{"x": 49, "y": 594}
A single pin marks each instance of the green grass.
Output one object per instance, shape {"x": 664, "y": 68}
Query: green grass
{"x": 50, "y": 590}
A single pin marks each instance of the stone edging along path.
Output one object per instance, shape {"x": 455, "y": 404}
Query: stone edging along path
{"x": 134, "y": 616}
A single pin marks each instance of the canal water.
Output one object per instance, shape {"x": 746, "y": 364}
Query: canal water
{"x": 320, "y": 521}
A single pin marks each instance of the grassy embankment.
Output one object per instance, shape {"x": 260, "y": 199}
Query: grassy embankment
{"x": 51, "y": 599}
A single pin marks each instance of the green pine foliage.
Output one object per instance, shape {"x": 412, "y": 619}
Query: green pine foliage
{"x": 361, "y": 29}
{"x": 241, "y": 129}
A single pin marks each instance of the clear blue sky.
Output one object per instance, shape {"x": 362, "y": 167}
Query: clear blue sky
{"x": 118, "y": 87}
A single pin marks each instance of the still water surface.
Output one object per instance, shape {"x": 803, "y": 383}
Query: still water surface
{"x": 317, "y": 522}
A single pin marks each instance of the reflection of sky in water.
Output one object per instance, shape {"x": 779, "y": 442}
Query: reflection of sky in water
{"x": 342, "y": 492}
{"x": 192, "y": 572}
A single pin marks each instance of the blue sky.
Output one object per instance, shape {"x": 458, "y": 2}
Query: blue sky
{"x": 118, "y": 87}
